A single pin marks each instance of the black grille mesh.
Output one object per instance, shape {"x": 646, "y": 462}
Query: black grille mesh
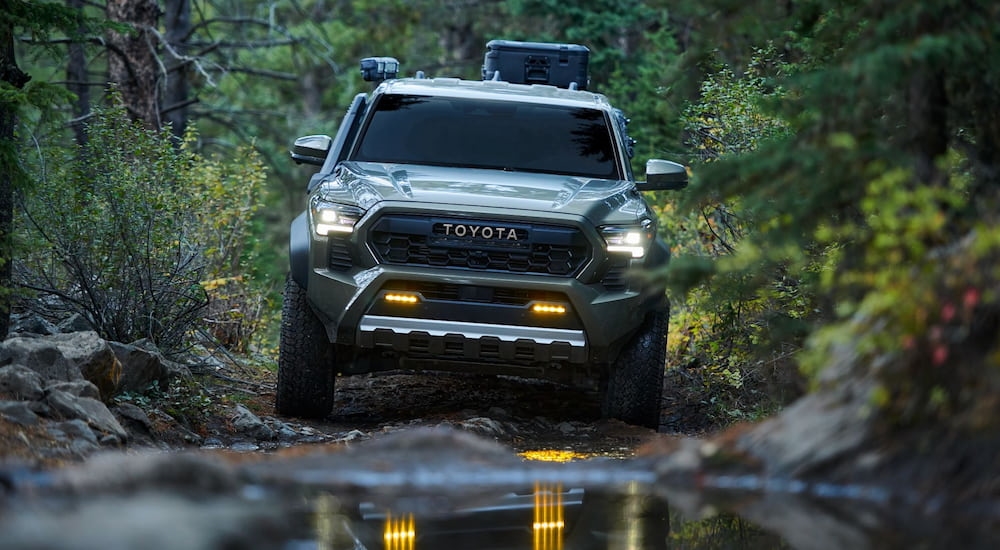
{"x": 546, "y": 250}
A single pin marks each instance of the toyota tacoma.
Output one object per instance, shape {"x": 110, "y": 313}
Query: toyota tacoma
{"x": 488, "y": 226}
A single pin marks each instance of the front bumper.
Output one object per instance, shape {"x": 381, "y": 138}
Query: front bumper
{"x": 476, "y": 316}
{"x": 595, "y": 323}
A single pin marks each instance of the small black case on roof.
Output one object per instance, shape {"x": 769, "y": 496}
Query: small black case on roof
{"x": 562, "y": 65}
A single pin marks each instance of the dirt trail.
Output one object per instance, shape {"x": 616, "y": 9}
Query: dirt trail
{"x": 524, "y": 414}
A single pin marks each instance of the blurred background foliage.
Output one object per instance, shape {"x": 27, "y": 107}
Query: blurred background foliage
{"x": 844, "y": 155}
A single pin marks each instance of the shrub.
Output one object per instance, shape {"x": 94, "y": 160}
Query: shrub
{"x": 125, "y": 229}
{"x": 738, "y": 331}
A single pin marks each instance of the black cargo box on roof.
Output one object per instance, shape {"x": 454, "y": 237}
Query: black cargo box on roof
{"x": 559, "y": 65}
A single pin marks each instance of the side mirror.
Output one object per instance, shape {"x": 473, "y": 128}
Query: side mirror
{"x": 311, "y": 149}
{"x": 664, "y": 175}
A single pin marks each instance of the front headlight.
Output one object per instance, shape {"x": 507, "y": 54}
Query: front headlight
{"x": 331, "y": 217}
{"x": 632, "y": 239}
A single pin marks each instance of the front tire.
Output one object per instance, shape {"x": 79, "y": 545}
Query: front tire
{"x": 634, "y": 384}
{"x": 306, "y": 375}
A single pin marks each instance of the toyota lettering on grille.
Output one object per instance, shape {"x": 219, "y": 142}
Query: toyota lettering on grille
{"x": 480, "y": 231}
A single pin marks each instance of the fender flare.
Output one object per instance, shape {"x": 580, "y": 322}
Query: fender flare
{"x": 298, "y": 250}
{"x": 658, "y": 254}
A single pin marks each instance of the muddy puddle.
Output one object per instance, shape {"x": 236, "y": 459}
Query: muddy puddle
{"x": 443, "y": 489}
{"x": 489, "y": 502}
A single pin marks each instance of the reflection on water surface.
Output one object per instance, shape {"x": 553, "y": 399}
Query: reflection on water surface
{"x": 547, "y": 516}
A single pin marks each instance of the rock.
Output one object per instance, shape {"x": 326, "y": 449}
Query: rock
{"x": 21, "y": 383}
{"x": 140, "y": 367}
{"x": 32, "y": 323}
{"x": 176, "y": 370}
{"x": 95, "y": 359}
{"x": 566, "y": 428}
{"x": 813, "y": 432}
{"x": 78, "y": 388}
{"x": 153, "y": 521}
{"x": 75, "y": 323}
{"x": 78, "y": 436}
{"x": 482, "y": 425}
{"x": 67, "y": 357}
{"x": 72, "y": 429}
{"x": 212, "y": 443}
{"x": 352, "y": 435}
{"x": 40, "y": 408}
{"x": 132, "y": 413}
{"x": 127, "y": 474}
{"x": 137, "y": 424}
{"x": 90, "y": 410}
{"x": 40, "y": 356}
{"x": 246, "y": 422}
{"x": 18, "y": 412}
{"x": 284, "y": 432}
{"x": 682, "y": 464}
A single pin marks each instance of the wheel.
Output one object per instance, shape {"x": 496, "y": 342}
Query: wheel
{"x": 634, "y": 383}
{"x": 305, "y": 359}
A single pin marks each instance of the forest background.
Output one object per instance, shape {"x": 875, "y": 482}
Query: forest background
{"x": 842, "y": 211}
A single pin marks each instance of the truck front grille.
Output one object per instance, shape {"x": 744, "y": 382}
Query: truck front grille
{"x": 513, "y": 247}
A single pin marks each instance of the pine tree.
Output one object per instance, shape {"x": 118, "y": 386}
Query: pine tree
{"x": 37, "y": 19}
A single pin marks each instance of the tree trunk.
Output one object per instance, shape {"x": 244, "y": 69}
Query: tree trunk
{"x": 132, "y": 64}
{"x": 13, "y": 75}
{"x": 178, "y": 88}
{"x": 76, "y": 78}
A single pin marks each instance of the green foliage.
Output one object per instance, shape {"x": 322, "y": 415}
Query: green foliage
{"x": 185, "y": 400}
{"x": 41, "y": 19}
{"x": 126, "y": 230}
{"x": 869, "y": 192}
{"x": 229, "y": 194}
{"x": 731, "y": 116}
{"x": 737, "y": 327}
{"x": 917, "y": 304}
{"x": 718, "y": 530}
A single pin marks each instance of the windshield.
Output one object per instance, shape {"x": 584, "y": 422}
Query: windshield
{"x": 500, "y": 135}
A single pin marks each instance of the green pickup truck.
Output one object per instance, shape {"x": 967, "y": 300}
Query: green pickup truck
{"x": 489, "y": 226}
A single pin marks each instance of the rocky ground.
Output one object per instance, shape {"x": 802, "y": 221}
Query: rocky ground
{"x": 67, "y": 395}
{"x": 80, "y": 415}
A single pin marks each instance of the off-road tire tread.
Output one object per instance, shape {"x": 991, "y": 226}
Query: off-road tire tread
{"x": 306, "y": 375}
{"x": 635, "y": 381}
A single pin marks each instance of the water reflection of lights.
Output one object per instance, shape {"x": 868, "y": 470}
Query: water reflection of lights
{"x": 553, "y": 455}
{"x": 400, "y": 533}
{"x": 632, "y": 511}
{"x": 549, "y": 521}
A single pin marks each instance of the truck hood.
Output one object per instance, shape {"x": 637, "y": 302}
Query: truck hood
{"x": 367, "y": 184}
